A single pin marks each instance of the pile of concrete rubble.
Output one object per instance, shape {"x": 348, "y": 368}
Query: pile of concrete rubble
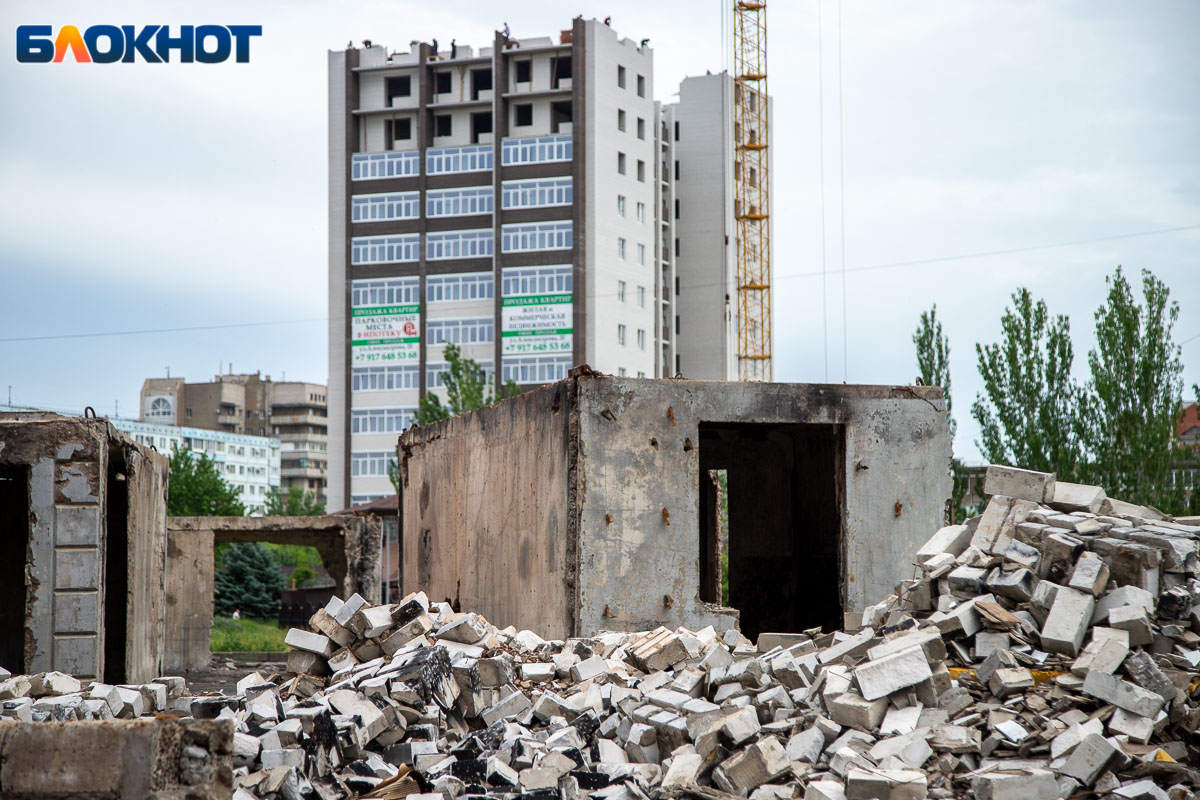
{"x": 1049, "y": 648}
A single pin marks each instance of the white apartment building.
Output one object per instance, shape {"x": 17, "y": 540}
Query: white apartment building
{"x": 515, "y": 200}
{"x": 248, "y": 463}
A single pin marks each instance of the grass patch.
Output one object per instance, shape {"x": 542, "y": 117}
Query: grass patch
{"x": 256, "y": 635}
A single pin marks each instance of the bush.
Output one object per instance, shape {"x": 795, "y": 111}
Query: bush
{"x": 247, "y": 635}
{"x": 249, "y": 581}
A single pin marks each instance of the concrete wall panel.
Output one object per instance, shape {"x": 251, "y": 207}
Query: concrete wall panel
{"x": 489, "y": 523}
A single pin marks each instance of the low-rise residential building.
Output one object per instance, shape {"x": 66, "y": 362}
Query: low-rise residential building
{"x": 250, "y": 464}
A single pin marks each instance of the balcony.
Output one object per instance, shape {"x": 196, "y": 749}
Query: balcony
{"x": 228, "y": 419}
{"x": 299, "y": 419}
{"x": 666, "y": 334}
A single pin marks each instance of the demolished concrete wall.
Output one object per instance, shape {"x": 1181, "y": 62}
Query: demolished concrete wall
{"x": 84, "y": 548}
{"x": 350, "y": 548}
{"x": 578, "y": 507}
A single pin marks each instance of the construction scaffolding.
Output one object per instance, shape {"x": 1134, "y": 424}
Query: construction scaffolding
{"x": 751, "y": 176}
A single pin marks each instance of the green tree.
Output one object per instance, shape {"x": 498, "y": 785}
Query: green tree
{"x": 293, "y": 503}
{"x": 1133, "y": 400}
{"x": 1029, "y": 418}
{"x": 466, "y": 389}
{"x": 933, "y": 368}
{"x": 249, "y": 582}
{"x": 196, "y": 488}
{"x": 933, "y": 358}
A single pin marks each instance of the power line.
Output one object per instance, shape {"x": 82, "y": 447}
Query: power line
{"x": 159, "y": 330}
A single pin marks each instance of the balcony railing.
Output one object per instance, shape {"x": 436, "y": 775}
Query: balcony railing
{"x": 446, "y": 160}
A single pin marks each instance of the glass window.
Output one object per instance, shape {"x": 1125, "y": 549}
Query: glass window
{"x": 380, "y": 207}
{"x": 460, "y": 287}
{"x": 536, "y": 280}
{"x": 458, "y": 244}
{"x": 620, "y": 76}
{"x": 473, "y": 330}
{"x": 641, "y": 212}
{"x": 458, "y": 202}
{"x": 525, "y": 237}
{"x": 621, "y": 291}
{"x": 621, "y": 249}
{"x": 382, "y": 379}
{"x": 620, "y": 334}
{"x": 620, "y": 119}
{"x": 621, "y": 163}
{"x": 538, "y": 193}
{"x": 384, "y": 291}
{"x": 535, "y": 150}
{"x": 536, "y": 369}
{"x": 641, "y": 296}
{"x": 373, "y": 166}
{"x": 641, "y": 172}
{"x": 641, "y": 339}
{"x": 621, "y": 205}
{"x": 435, "y": 372}
{"x": 642, "y": 254}
{"x": 471, "y": 158}
{"x": 384, "y": 249}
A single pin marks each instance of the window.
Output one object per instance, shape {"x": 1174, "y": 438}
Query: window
{"x": 677, "y": 169}
{"x": 474, "y": 330}
{"x": 187, "y": 412}
{"x": 531, "y": 236}
{"x": 642, "y": 254}
{"x": 535, "y": 150}
{"x": 435, "y": 372}
{"x": 399, "y": 86}
{"x": 620, "y": 76}
{"x": 676, "y": 208}
{"x": 539, "y": 193}
{"x": 641, "y": 128}
{"x": 621, "y": 291}
{"x": 380, "y": 420}
{"x": 621, "y": 163}
{"x": 621, "y": 205}
{"x": 620, "y": 119}
{"x": 641, "y": 295}
{"x": 384, "y": 249}
{"x": 380, "y": 207}
{"x": 641, "y": 212}
{"x": 371, "y": 463}
{"x": 384, "y": 292}
{"x": 641, "y": 85}
{"x": 458, "y": 202}
{"x": 641, "y": 170}
{"x": 399, "y": 129}
{"x": 382, "y": 379}
{"x": 161, "y": 407}
{"x": 621, "y": 335}
{"x": 536, "y": 280}
{"x": 460, "y": 287}
{"x": 458, "y": 244}
{"x": 677, "y": 247}
{"x": 641, "y": 339}
{"x": 536, "y": 369}
{"x": 364, "y": 166}
{"x": 621, "y": 248}
{"x": 441, "y": 125}
{"x": 471, "y": 158}
{"x": 621, "y": 372}
{"x": 641, "y": 374}
{"x": 524, "y": 114}
{"x": 677, "y": 131}
{"x": 524, "y": 70}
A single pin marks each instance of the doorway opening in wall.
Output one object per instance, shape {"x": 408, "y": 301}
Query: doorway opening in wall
{"x": 14, "y": 551}
{"x": 116, "y": 572}
{"x": 560, "y": 116}
{"x": 771, "y": 510}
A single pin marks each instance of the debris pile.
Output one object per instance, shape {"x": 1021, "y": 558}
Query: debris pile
{"x": 1049, "y": 648}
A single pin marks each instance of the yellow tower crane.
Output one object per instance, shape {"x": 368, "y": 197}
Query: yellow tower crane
{"x": 752, "y": 195}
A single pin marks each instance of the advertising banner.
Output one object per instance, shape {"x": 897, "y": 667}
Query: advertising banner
{"x": 534, "y": 324}
{"x": 385, "y": 335}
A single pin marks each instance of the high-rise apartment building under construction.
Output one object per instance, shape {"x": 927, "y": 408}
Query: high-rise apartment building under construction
{"x": 518, "y": 201}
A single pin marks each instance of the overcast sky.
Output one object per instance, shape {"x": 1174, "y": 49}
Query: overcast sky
{"x": 142, "y": 197}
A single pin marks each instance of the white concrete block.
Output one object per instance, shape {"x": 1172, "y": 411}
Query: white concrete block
{"x": 1021, "y": 484}
{"x": 891, "y": 673}
{"x": 1068, "y": 621}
